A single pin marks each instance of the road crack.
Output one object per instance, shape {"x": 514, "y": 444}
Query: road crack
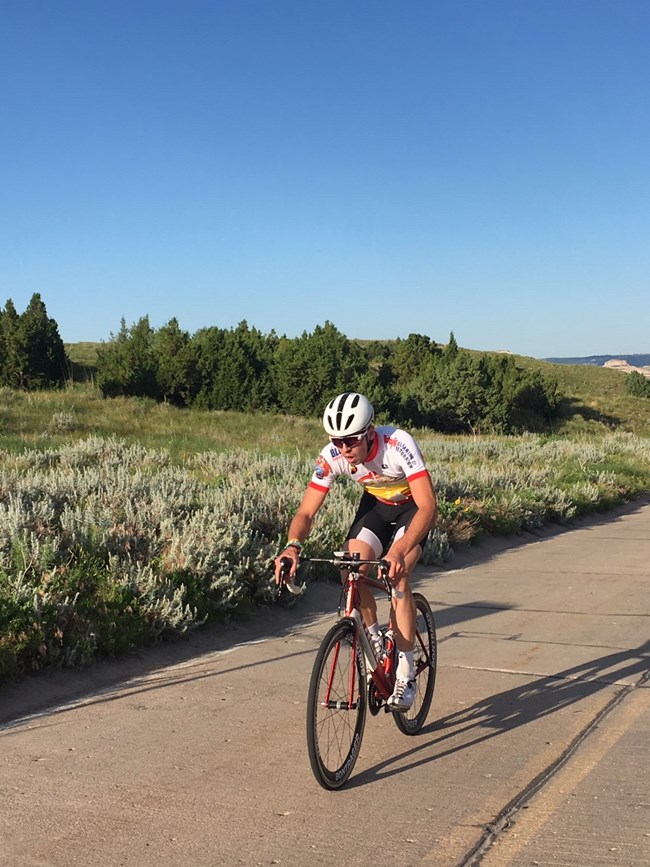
{"x": 503, "y": 821}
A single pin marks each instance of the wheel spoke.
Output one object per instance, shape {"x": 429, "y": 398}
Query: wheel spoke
{"x": 336, "y": 707}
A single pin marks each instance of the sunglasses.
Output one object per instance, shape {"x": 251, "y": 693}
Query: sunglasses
{"x": 350, "y": 442}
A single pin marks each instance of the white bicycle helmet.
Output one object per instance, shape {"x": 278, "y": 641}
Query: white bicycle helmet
{"x": 348, "y": 414}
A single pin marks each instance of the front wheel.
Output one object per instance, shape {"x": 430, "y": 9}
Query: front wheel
{"x": 336, "y": 706}
{"x": 426, "y": 658}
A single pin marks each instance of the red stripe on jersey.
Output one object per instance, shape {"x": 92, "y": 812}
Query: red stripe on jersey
{"x": 418, "y": 475}
{"x": 374, "y": 448}
{"x": 321, "y": 488}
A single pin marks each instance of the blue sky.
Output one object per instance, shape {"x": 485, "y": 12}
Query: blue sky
{"x": 392, "y": 166}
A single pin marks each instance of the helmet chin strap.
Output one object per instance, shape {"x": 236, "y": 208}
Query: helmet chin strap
{"x": 369, "y": 443}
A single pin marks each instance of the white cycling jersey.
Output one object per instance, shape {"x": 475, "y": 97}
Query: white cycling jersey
{"x": 393, "y": 462}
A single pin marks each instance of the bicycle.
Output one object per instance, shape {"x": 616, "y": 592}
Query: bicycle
{"x": 348, "y": 678}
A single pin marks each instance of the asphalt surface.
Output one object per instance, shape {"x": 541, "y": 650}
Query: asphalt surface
{"x": 535, "y": 752}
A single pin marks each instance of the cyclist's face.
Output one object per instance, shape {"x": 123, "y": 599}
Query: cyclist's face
{"x": 353, "y": 450}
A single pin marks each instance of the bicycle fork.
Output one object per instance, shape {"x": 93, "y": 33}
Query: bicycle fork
{"x": 374, "y": 668}
{"x": 338, "y": 704}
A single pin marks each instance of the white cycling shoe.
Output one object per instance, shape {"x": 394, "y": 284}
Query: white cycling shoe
{"x": 403, "y": 696}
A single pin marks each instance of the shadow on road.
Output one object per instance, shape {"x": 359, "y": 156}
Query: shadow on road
{"x": 187, "y": 666}
{"x": 505, "y": 711}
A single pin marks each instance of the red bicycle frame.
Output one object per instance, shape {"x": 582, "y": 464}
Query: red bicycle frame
{"x": 381, "y": 671}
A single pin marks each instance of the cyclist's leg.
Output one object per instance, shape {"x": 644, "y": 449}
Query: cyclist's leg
{"x": 405, "y": 618}
{"x": 368, "y": 536}
{"x": 404, "y": 625}
{"x": 404, "y": 606}
{"x": 367, "y": 597}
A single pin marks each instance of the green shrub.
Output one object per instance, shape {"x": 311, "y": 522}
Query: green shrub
{"x": 637, "y": 385}
{"x": 106, "y": 546}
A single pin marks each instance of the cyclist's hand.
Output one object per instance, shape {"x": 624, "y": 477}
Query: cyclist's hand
{"x": 397, "y": 566}
{"x": 289, "y": 553}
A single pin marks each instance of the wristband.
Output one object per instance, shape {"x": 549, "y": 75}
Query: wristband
{"x": 294, "y": 543}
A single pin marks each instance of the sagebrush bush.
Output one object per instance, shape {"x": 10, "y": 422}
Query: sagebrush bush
{"x": 106, "y": 546}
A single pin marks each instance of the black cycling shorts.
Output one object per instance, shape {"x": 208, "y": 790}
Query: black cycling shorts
{"x": 382, "y": 520}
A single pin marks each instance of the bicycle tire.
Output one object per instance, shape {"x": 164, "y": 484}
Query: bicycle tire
{"x": 426, "y": 660}
{"x": 334, "y": 729}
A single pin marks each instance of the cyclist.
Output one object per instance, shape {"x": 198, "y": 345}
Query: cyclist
{"x": 396, "y": 512}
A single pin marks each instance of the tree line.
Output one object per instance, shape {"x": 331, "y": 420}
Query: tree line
{"x": 411, "y": 381}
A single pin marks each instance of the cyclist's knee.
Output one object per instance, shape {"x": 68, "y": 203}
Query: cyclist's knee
{"x": 402, "y": 586}
{"x": 358, "y": 546}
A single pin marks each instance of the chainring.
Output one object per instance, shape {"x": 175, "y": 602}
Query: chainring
{"x": 374, "y": 699}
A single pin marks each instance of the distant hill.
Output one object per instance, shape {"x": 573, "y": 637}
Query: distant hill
{"x": 638, "y": 360}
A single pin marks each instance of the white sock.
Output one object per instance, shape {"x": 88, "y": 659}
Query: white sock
{"x": 374, "y": 630}
{"x": 406, "y": 665}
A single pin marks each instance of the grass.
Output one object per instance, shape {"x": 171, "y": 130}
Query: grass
{"x": 38, "y": 420}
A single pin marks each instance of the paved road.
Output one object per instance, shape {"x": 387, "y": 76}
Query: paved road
{"x": 536, "y": 751}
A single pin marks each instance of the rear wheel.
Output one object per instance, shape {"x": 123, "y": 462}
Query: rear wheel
{"x": 426, "y": 656}
{"x": 336, "y": 706}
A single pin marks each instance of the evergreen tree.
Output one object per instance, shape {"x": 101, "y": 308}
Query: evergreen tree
{"x": 377, "y": 384}
{"x": 451, "y": 349}
{"x": 174, "y": 364}
{"x": 113, "y": 364}
{"x": 33, "y": 355}
{"x": 311, "y": 369}
{"x": 42, "y": 347}
{"x": 13, "y": 358}
{"x": 637, "y": 385}
{"x": 145, "y": 380}
{"x": 450, "y": 394}
{"x": 411, "y": 356}
{"x": 126, "y": 365}
{"x": 461, "y": 393}
{"x": 234, "y": 368}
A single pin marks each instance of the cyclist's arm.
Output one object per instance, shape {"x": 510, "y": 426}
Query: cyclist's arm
{"x": 300, "y": 526}
{"x": 423, "y": 520}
